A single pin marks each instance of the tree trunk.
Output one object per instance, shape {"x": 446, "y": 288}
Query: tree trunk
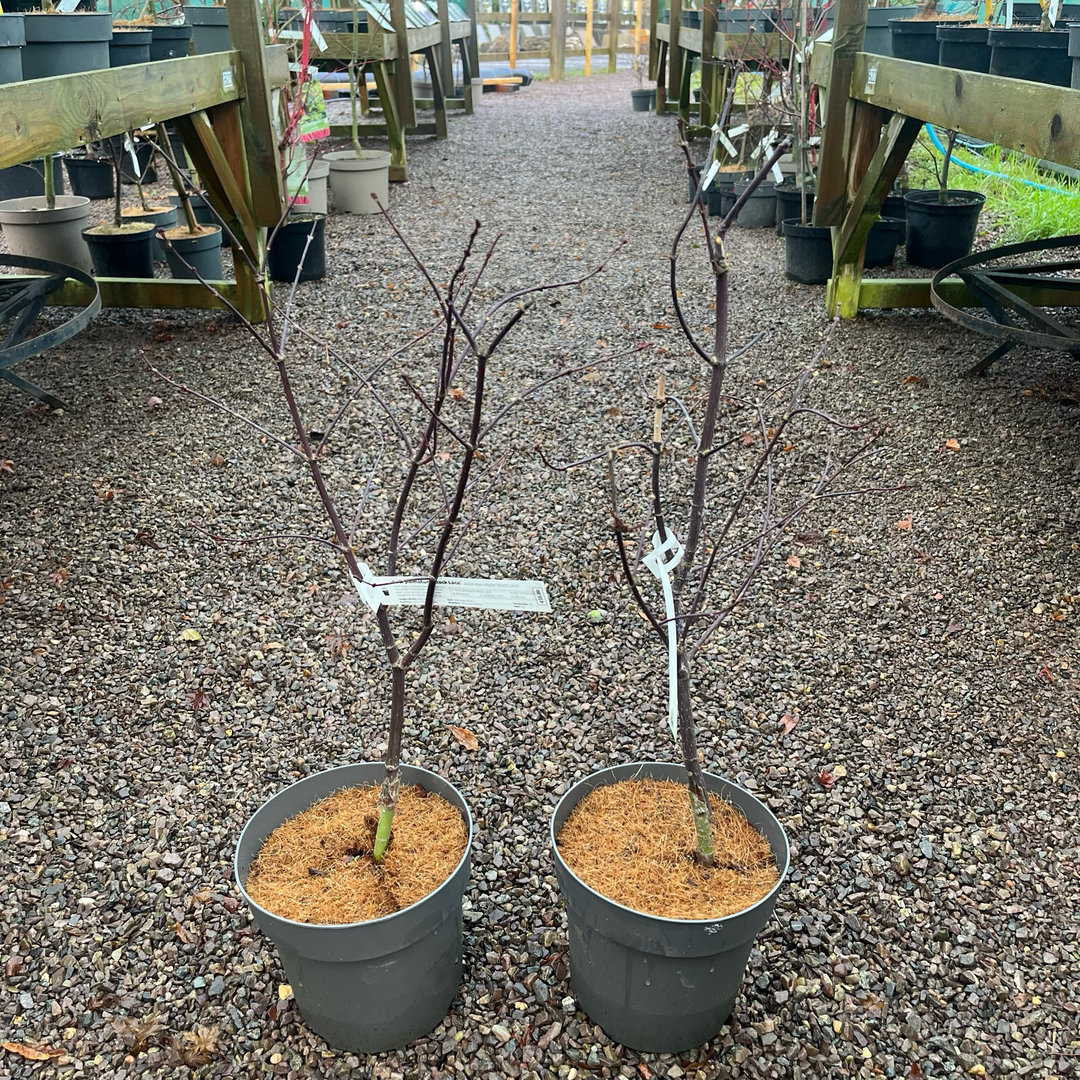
{"x": 391, "y": 785}
{"x": 699, "y": 796}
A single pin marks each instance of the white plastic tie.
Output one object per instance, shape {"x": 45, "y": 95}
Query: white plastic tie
{"x": 660, "y": 567}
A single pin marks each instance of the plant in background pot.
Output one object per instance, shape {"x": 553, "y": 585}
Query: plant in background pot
{"x": 192, "y": 248}
{"x": 359, "y": 179}
{"x": 91, "y": 172}
{"x": 941, "y": 223}
{"x": 357, "y": 874}
{"x": 48, "y": 226}
{"x": 669, "y": 872}
{"x": 642, "y": 99}
{"x": 121, "y": 248}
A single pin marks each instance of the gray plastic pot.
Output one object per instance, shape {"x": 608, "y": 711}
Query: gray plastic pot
{"x": 12, "y": 40}
{"x": 129, "y": 47}
{"x": 64, "y": 44}
{"x": 660, "y": 985}
{"x": 30, "y": 228}
{"x": 370, "y": 986}
{"x": 161, "y": 217}
{"x": 202, "y": 253}
{"x": 759, "y": 211}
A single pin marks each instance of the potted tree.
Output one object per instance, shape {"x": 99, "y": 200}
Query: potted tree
{"x": 941, "y": 223}
{"x": 90, "y": 172}
{"x": 121, "y": 248}
{"x": 192, "y": 248}
{"x": 359, "y": 178}
{"x": 642, "y": 99}
{"x": 1037, "y": 53}
{"x": 48, "y": 226}
{"x": 668, "y": 871}
{"x": 373, "y": 960}
{"x": 63, "y": 43}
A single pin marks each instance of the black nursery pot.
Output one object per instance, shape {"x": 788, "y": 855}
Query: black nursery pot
{"x": 886, "y": 235}
{"x": 894, "y": 207}
{"x": 287, "y": 249}
{"x": 170, "y": 42}
{"x": 90, "y": 177}
{"x": 1035, "y": 55}
{"x": 126, "y": 254}
{"x": 654, "y": 984}
{"x": 808, "y": 253}
{"x": 789, "y": 203}
{"x": 129, "y": 47}
{"x": 914, "y": 40}
{"x": 938, "y": 233}
{"x": 964, "y": 47}
{"x": 204, "y": 215}
{"x": 640, "y": 98}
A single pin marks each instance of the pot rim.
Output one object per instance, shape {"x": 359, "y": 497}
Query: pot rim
{"x": 768, "y": 898}
{"x": 383, "y": 919}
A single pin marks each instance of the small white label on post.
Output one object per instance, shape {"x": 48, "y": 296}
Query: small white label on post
{"x": 227, "y": 79}
{"x": 871, "y": 79}
{"x": 493, "y": 594}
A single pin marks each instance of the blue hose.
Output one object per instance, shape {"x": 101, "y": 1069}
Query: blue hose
{"x": 988, "y": 172}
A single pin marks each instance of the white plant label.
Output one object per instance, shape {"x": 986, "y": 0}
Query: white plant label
{"x": 710, "y": 176}
{"x": 777, "y": 172}
{"x": 130, "y": 147}
{"x": 727, "y": 144}
{"x": 493, "y": 594}
{"x": 316, "y": 37}
{"x": 67, "y": 5}
{"x": 655, "y": 564}
{"x": 871, "y": 79}
{"x": 735, "y": 132}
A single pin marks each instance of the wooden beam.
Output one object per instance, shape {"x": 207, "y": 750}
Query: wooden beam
{"x": 709, "y": 66}
{"x": 256, "y": 112}
{"x": 380, "y": 45}
{"x": 885, "y": 293}
{"x": 445, "y": 49}
{"x": 472, "y": 44}
{"x": 588, "y": 34}
{"x": 1035, "y": 118}
{"x": 143, "y": 293}
{"x": 557, "y": 63}
{"x": 43, "y": 116}
{"x": 849, "y": 31}
{"x": 392, "y": 118}
{"x": 514, "y": 12}
{"x": 613, "y": 34}
{"x": 653, "y": 39}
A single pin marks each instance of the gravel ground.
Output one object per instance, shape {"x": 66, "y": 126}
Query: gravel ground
{"x": 926, "y": 646}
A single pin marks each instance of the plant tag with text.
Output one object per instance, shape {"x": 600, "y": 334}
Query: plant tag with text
{"x": 727, "y": 144}
{"x": 711, "y": 175}
{"x": 67, "y": 5}
{"x": 491, "y": 593}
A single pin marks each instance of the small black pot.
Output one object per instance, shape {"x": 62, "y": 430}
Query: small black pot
{"x": 964, "y": 47}
{"x": 202, "y": 253}
{"x": 938, "y": 233}
{"x": 654, "y": 984}
{"x": 886, "y": 235}
{"x": 129, "y": 47}
{"x": 639, "y": 99}
{"x": 170, "y": 42}
{"x": 126, "y": 254}
{"x": 287, "y": 249}
{"x": 691, "y": 19}
{"x": 90, "y": 177}
{"x": 1040, "y": 56}
{"x": 204, "y": 215}
{"x": 789, "y": 203}
{"x": 808, "y": 253}
{"x": 914, "y": 40}
{"x": 894, "y": 207}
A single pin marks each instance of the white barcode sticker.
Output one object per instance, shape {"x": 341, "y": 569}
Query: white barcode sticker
{"x": 871, "y": 79}
{"x": 493, "y": 594}
{"x": 227, "y": 79}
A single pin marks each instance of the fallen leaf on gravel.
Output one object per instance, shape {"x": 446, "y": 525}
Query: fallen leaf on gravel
{"x": 788, "y": 723}
{"x": 826, "y": 779}
{"x": 7, "y": 466}
{"x": 32, "y": 1053}
{"x": 138, "y": 1034}
{"x": 190, "y": 634}
{"x": 153, "y": 402}
{"x": 951, "y": 444}
{"x": 1044, "y": 674}
{"x": 216, "y": 459}
{"x": 748, "y": 438}
{"x": 914, "y": 380}
{"x": 13, "y": 966}
{"x": 794, "y": 560}
{"x": 905, "y": 524}
{"x": 660, "y": 326}
{"x": 465, "y": 737}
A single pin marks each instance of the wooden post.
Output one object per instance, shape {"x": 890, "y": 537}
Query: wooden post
{"x": 709, "y": 67}
{"x": 675, "y": 56}
{"x": 588, "y": 36}
{"x": 472, "y": 45}
{"x": 439, "y": 102}
{"x": 260, "y": 138}
{"x": 637, "y": 30}
{"x": 445, "y": 50}
{"x": 557, "y": 63}
{"x": 395, "y": 133}
{"x": 873, "y": 172}
{"x": 654, "y": 49}
{"x": 513, "y": 32}
{"x": 849, "y": 32}
{"x": 613, "y": 34}
{"x": 403, "y": 80}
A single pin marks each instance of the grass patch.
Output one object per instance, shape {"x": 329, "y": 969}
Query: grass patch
{"x": 1022, "y": 211}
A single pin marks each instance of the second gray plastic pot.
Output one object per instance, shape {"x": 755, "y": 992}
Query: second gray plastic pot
{"x": 201, "y": 252}
{"x": 653, "y": 984}
{"x": 370, "y": 986}
{"x": 759, "y": 211}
